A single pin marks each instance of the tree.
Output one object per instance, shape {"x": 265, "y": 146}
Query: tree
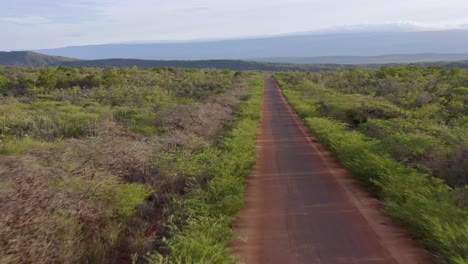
{"x": 3, "y": 84}
{"x": 47, "y": 79}
{"x": 111, "y": 77}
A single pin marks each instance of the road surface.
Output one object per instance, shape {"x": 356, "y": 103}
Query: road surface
{"x": 301, "y": 207}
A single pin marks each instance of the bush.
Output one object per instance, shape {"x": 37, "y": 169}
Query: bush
{"x": 14, "y": 146}
{"x": 63, "y": 218}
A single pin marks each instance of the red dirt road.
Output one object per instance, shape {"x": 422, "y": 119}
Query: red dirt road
{"x": 301, "y": 207}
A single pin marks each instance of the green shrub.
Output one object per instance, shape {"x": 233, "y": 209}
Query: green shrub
{"x": 13, "y": 146}
{"x": 203, "y": 240}
{"x": 14, "y": 119}
{"x": 3, "y": 84}
{"x": 404, "y": 146}
{"x": 136, "y": 119}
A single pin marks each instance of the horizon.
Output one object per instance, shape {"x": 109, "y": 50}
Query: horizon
{"x": 29, "y": 25}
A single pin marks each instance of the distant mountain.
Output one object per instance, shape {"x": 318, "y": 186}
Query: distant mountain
{"x": 455, "y": 64}
{"x": 33, "y": 59}
{"x": 291, "y": 46}
{"x": 30, "y": 59}
{"x": 383, "y": 59}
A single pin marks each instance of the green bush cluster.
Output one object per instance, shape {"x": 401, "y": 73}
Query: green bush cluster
{"x": 112, "y": 204}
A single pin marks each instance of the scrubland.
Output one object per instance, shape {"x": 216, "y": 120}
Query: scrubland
{"x": 120, "y": 165}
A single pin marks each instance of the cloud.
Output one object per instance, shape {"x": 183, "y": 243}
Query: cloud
{"x": 192, "y": 9}
{"x": 25, "y": 20}
{"x": 93, "y": 6}
{"x": 418, "y": 26}
{"x": 398, "y": 26}
{"x": 33, "y": 24}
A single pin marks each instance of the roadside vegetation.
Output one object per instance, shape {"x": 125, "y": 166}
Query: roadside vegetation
{"x": 403, "y": 133}
{"x": 200, "y": 220}
{"x": 114, "y": 165}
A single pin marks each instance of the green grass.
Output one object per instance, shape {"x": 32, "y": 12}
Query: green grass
{"x": 12, "y": 147}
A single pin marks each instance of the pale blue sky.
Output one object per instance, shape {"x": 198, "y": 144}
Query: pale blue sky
{"x": 36, "y": 24}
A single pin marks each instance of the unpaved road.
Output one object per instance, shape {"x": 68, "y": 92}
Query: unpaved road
{"x": 301, "y": 207}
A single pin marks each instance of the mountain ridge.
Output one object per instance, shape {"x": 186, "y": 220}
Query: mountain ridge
{"x": 381, "y": 59}
{"x": 305, "y": 45}
{"x": 30, "y": 59}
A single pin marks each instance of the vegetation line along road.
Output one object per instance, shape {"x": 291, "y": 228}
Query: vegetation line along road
{"x": 406, "y": 146}
{"x": 206, "y": 212}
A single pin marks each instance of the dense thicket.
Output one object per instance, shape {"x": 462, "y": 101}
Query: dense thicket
{"x": 91, "y": 159}
{"x": 403, "y": 132}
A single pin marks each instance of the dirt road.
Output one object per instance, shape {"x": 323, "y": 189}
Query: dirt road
{"x": 301, "y": 207}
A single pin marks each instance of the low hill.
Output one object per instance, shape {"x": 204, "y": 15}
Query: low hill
{"x": 236, "y": 65}
{"x": 454, "y": 64}
{"x": 30, "y": 59}
{"x": 33, "y": 59}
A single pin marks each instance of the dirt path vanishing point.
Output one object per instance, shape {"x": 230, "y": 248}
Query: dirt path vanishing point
{"x": 302, "y": 207}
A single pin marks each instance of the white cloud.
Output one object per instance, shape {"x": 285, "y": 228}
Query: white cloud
{"x": 25, "y": 20}
{"x": 418, "y": 26}
{"x": 398, "y": 26}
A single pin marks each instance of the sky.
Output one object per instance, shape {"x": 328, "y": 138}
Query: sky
{"x": 39, "y": 24}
